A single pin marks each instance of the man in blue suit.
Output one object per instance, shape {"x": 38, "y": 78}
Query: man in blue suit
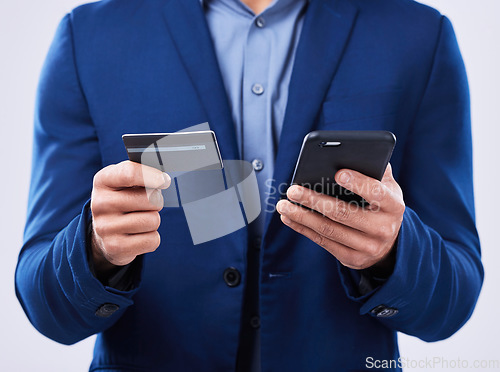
{"x": 296, "y": 290}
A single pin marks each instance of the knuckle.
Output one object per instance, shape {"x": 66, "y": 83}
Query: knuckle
{"x": 100, "y": 228}
{"x": 96, "y": 206}
{"x": 151, "y": 241}
{"x": 326, "y": 229}
{"x": 296, "y": 215}
{"x": 159, "y": 179}
{"x": 140, "y": 221}
{"x": 376, "y": 191}
{"x": 400, "y": 208}
{"x": 127, "y": 172}
{"x": 97, "y": 179}
{"x": 154, "y": 197}
{"x": 306, "y": 200}
{"x": 100, "y": 176}
{"x": 325, "y": 205}
{"x": 151, "y": 221}
{"x": 319, "y": 240}
{"x": 155, "y": 241}
{"x": 139, "y": 197}
{"x": 151, "y": 176}
{"x": 358, "y": 263}
{"x": 341, "y": 213}
{"x": 156, "y": 221}
{"x": 126, "y": 175}
{"x": 387, "y": 231}
{"x": 341, "y": 236}
{"x": 384, "y": 231}
{"x": 113, "y": 246}
{"x": 160, "y": 201}
{"x": 372, "y": 248}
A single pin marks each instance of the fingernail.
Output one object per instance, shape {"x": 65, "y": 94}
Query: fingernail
{"x": 286, "y": 220}
{"x": 344, "y": 177}
{"x": 282, "y": 206}
{"x": 294, "y": 192}
{"x": 167, "y": 180}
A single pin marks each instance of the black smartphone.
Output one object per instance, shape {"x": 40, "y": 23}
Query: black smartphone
{"x": 323, "y": 153}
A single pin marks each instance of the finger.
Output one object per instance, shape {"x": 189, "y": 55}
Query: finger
{"x": 370, "y": 189}
{"x": 130, "y": 174}
{"x": 144, "y": 242}
{"x": 389, "y": 181}
{"x": 348, "y": 214}
{"x": 324, "y": 226}
{"x": 130, "y": 223}
{"x": 128, "y": 247}
{"x": 387, "y": 177}
{"x": 127, "y": 200}
{"x": 347, "y": 256}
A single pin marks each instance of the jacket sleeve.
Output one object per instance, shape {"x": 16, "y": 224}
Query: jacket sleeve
{"x": 54, "y": 285}
{"x": 438, "y": 274}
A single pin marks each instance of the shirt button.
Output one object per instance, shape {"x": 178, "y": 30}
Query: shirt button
{"x": 256, "y": 242}
{"x": 257, "y": 164}
{"x": 255, "y": 322}
{"x": 232, "y": 277}
{"x": 106, "y": 310}
{"x": 259, "y": 22}
{"x": 258, "y": 89}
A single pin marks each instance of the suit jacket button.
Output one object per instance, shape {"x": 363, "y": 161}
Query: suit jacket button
{"x": 255, "y": 322}
{"x": 383, "y": 311}
{"x": 106, "y": 310}
{"x": 232, "y": 277}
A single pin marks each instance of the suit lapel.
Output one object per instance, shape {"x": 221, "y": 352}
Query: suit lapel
{"x": 327, "y": 27}
{"x": 188, "y": 28}
{"x": 326, "y": 31}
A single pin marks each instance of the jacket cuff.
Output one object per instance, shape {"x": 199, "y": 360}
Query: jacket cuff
{"x": 86, "y": 289}
{"x": 384, "y": 298}
{"x": 124, "y": 278}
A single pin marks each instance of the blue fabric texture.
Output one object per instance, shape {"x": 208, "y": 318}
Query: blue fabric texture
{"x": 150, "y": 66}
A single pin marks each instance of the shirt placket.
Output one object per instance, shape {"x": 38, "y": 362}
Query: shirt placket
{"x": 256, "y": 107}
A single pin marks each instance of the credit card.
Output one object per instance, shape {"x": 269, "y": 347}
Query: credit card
{"x": 175, "y": 152}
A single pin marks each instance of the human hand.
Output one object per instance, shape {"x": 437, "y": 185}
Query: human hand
{"x": 126, "y": 199}
{"x": 358, "y": 237}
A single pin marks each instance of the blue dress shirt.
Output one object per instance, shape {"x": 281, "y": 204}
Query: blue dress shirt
{"x": 255, "y": 55}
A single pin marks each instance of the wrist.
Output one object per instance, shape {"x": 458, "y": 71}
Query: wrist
{"x": 100, "y": 266}
{"x": 384, "y": 268}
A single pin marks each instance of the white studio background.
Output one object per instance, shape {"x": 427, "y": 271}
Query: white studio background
{"x": 478, "y": 32}
{"x": 26, "y": 30}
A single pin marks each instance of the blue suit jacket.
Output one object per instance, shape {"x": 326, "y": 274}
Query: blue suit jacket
{"x": 149, "y": 66}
